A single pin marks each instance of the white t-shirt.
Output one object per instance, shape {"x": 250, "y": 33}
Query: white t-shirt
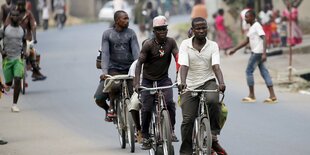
{"x": 256, "y": 42}
{"x": 45, "y": 13}
{"x": 265, "y": 17}
{"x": 199, "y": 63}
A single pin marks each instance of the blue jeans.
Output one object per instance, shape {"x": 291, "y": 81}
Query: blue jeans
{"x": 254, "y": 61}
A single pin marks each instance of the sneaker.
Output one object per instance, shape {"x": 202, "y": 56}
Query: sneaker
{"x": 111, "y": 113}
{"x": 146, "y": 144}
{"x": 39, "y": 78}
{"x": 2, "y": 142}
{"x": 218, "y": 148}
{"x": 174, "y": 138}
{"x": 139, "y": 136}
{"x": 14, "y": 108}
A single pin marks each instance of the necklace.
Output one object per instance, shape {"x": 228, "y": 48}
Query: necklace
{"x": 161, "y": 48}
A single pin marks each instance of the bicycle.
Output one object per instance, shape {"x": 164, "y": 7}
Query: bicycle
{"x": 23, "y": 82}
{"x": 123, "y": 120}
{"x": 201, "y": 136}
{"x": 160, "y": 128}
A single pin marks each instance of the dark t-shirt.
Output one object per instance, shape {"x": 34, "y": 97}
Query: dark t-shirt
{"x": 157, "y": 58}
{"x": 119, "y": 49}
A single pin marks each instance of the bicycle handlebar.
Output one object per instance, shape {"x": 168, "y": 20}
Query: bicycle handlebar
{"x": 142, "y": 88}
{"x": 205, "y": 91}
{"x": 120, "y": 77}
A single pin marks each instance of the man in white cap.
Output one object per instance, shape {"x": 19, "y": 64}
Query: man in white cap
{"x": 156, "y": 53}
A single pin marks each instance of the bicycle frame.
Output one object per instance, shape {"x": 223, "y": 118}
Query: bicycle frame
{"x": 157, "y": 116}
{"x": 121, "y": 106}
{"x": 202, "y": 117}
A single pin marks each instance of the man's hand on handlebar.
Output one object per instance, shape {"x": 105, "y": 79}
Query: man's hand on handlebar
{"x": 222, "y": 87}
{"x": 104, "y": 76}
{"x": 182, "y": 86}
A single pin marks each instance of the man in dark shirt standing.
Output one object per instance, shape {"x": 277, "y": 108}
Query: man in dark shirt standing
{"x": 119, "y": 48}
{"x": 156, "y": 56}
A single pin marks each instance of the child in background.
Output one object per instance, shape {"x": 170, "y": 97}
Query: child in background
{"x": 283, "y": 32}
{"x": 275, "y": 39}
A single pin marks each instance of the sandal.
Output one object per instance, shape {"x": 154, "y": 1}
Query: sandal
{"x": 248, "y": 100}
{"x": 270, "y": 100}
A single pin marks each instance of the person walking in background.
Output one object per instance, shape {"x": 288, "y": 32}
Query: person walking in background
{"x": 28, "y": 23}
{"x": 5, "y": 9}
{"x": 120, "y": 48}
{"x": 256, "y": 38}
{"x": 265, "y": 17}
{"x": 291, "y": 14}
{"x": 155, "y": 56}
{"x": 59, "y": 7}
{"x": 14, "y": 43}
{"x": 150, "y": 13}
{"x": 200, "y": 67}
{"x": 45, "y": 15}
{"x": 222, "y": 38}
{"x": 283, "y": 31}
{"x": 199, "y": 10}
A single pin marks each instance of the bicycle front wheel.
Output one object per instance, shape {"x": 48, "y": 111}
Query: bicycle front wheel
{"x": 166, "y": 133}
{"x": 120, "y": 125}
{"x": 204, "y": 138}
{"x": 130, "y": 129}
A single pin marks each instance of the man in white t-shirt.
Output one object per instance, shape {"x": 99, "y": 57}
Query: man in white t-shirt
{"x": 256, "y": 38}
{"x": 200, "y": 67}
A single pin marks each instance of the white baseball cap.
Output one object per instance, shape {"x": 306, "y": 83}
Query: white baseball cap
{"x": 160, "y": 21}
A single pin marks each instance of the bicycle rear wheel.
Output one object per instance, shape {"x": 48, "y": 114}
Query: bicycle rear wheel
{"x": 120, "y": 125}
{"x": 130, "y": 129}
{"x": 204, "y": 138}
{"x": 166, "y": 133}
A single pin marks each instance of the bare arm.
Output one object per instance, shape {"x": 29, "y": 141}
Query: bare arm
{"x": 33, "y": 25}
{"x": 219, "y": 76}
{"x": 141, "y": 60}
{"x": 264, "y": 56}
{"x": 245, "y": 42}
{"x": 183, "y": 74}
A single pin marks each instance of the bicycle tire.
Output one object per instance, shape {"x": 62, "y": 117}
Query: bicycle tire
{"x": 166, "y": 133}
{"x": 23, "y": 83}
{"x": 130, "y": 129}
{"x": 120, "y": 126}
{"x": 204, "y": 137}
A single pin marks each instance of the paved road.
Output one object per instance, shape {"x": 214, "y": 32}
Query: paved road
{"x": 59, "y": 116}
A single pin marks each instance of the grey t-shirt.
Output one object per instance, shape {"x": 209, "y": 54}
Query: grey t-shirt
{"x": 119, "y": 49}
{"x": 12, "y": 41}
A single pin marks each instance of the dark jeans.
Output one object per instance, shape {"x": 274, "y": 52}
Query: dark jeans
{"x": 189, "y": 106}
{"x": 148, "y": 105}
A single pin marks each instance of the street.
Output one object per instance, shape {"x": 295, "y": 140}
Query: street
{"x": 59, "y": 116}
